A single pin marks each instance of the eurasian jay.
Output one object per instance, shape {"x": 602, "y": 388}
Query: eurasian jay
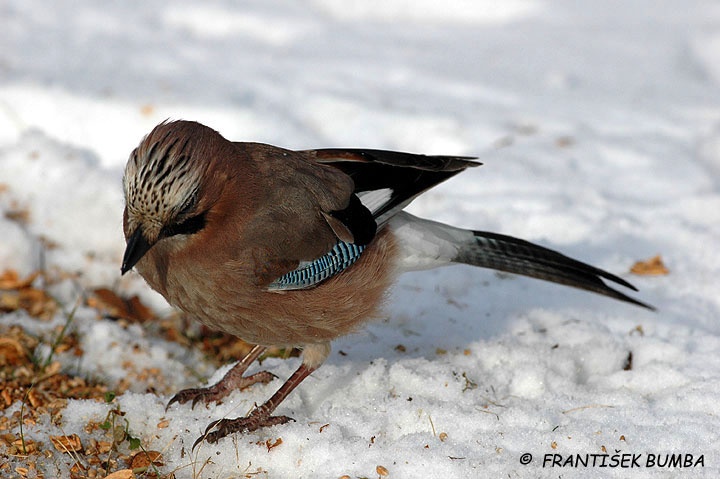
{"x": 296, "y": 248}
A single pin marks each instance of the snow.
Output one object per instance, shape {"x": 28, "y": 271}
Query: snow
{"x": 598, "y": 124}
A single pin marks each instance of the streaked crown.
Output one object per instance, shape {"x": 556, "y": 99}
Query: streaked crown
{"x": 162, "y": 180}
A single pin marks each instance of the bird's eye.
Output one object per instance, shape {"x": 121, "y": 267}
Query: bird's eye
{"x": 188, "y": 206}
{"x": 188, "y": 226}
{"x": 186, "y": 223}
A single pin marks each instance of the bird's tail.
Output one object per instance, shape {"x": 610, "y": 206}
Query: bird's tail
{"x": 427, "y": 244}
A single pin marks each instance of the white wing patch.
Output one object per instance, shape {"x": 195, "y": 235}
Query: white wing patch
{"x": 375, "y": 199}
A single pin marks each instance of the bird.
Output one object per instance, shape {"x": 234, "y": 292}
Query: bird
{"x": 295, "y": 248}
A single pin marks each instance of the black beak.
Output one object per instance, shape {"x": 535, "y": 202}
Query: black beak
{"x": 136, "y": 248}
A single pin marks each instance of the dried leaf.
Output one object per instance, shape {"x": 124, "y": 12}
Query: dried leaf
{"x": 144, "y": 459}
{"x": 35, "y": 398}
{"x": 651, "y": 267}
{"x": 67, "y": 443}
{"x": 121, "y": 474}
{"x": 6, "y": 397}
{"x": 18, "y": 293}
{"x": 11, "y": 352}
{"x": 9, "y": 301}
{"x": 10, "y": 279}
{"x": 18, "y": 215}
{"x": 115, "y": 306}
{"x": 272, "y": 445}
{"x": 139, "y": 310}
{"x": 104, "y": 447}
{"x": 28, "y": 447}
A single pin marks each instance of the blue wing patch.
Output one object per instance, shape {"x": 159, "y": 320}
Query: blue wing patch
{"x": 315, "y": 272}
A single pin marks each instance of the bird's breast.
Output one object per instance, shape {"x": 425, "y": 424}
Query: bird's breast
{"x": 225, "y": 295}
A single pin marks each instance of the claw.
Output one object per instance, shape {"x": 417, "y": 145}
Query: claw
{"x": 211, "y": 426}
{"x": 195, "y": 400}
{"x": 197, "y": 441}
{"x": 174, "y": 399}
{"x": 225, "y": 427}
{"x": 196, "y": 394}
{"x": 218, "y": 391}
{"x": 260, "y": 416}
{"x": 205, "y": 434}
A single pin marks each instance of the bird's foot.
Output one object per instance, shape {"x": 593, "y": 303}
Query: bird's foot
{"x": 218, "y": 391}
{"x": 217, "y": 430}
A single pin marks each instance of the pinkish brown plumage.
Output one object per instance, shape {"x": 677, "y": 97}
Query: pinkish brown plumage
{"x": 296, "y": 248}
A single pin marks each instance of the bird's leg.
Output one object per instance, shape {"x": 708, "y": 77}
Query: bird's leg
{"x": 234, "y": 379}
{"x": 260, "y": 416}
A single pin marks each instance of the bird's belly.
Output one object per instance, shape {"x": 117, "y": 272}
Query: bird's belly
{"x": 336, "y": 307}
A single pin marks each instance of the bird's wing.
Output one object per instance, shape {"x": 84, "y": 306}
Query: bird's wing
{"x": 384, "y": 183}
{"x": 387, "y": 181}
{"x": 312, "y": 273}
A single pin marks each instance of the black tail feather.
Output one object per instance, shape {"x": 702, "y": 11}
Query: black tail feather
{"x": 513, "y": 255}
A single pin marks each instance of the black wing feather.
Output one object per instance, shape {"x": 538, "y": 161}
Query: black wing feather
{"x": 406, "y": 175}
{"x": 359, "y": 220}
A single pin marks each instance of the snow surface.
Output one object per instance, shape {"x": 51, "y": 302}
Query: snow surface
{"x": 598, "y": 124}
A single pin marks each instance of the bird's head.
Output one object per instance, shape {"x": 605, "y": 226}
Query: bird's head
{"x": 164, "y": 187}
